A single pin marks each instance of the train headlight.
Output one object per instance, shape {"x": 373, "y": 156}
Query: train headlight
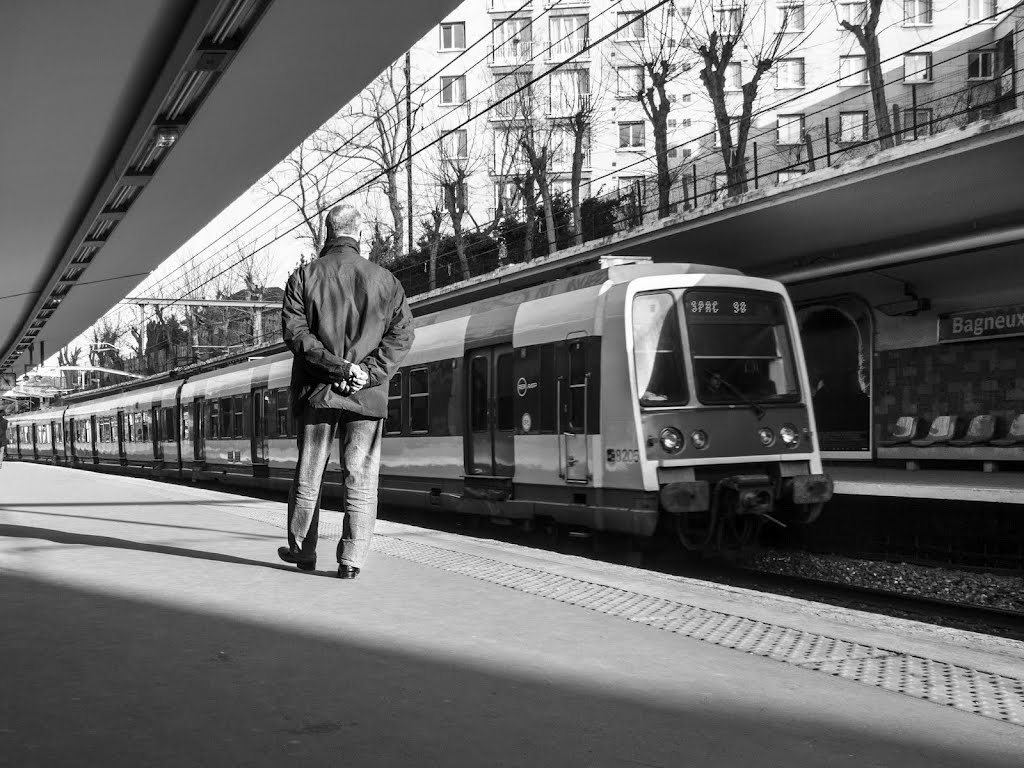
{"x": 671, "y": 440}
{"x": 766, "y": 436}
{"x": 789, "y": 436}
{"x": 699, "y": 438}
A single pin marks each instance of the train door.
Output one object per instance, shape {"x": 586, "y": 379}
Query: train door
{"x": 55, "y": 439}
{"x": 491, "y": 390}
{"x": 156, "y": 433}
{"x": 198, "y": 425}
{"x": 120, "y": 425}
{"x": 93, "y": 432}
{"x": 259, "y": 426}
{"x": 573, "y": 408}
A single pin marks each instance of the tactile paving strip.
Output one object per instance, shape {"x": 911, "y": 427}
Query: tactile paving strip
{"x": 970, "y": 690}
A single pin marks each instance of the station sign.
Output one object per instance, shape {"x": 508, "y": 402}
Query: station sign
{"x": 982, "y": 324}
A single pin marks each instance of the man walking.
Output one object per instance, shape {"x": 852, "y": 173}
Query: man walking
{"x": 348, "y": 325}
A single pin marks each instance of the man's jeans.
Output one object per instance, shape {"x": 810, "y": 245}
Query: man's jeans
{"x": 360, "y": 440}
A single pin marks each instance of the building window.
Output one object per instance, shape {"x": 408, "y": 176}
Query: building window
{"x": 785, "y": 176}
{"x": 728, "y": 19}
{"x": 978, "y": 10}
{"x": 630, "y": 26}
{"x": 854, "y": 13}
{"x": 980, "y": 65}
{"x": 789, "y": 73}
{"x": 511, "y": 95}
{"x": 419, "y": 398}
{"x": 393, "y": 422}
{"x": 630, "y": 185}
{"x": 687, "y": 122}
{"x": 629, "y": 81}
{"x": 853, "y": 126}
{"x": 734, "y": 76}
{"x": 917, "y": 12}
{"x": 453, "y": 36}
{"x": 455, "y": 144}
{"x": 853, "y": 70}
{"x": 687, "y": 153}
{"x": 686, "y": 98}
{"x": 570, "y": 91}
{"x": 511, "y": 41}
{"x": 916, "y": 124}
{"x": 917, "y": 68}
{"x": 791, "y": 129}
{"x": 631, "y": 135}
{"x": 569, "y": 35}
{"x": 453, "y": 89}
{"x": 791, "y": 16}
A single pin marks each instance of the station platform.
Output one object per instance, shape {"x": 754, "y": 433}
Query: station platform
{"x": 936, "y": 484}
{"x": 152, "y": 624}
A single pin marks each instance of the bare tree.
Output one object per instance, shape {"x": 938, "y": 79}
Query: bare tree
{"x": 456, "y": 160}
{"x": 69, "y": 356}
{"x": 376, "y": 131}
{"x": 105, "y": 337}
{"x": 306, "y": 179}
{"x": 654, "y": 44}
{"x": 540, "y": 137}
{"x": 717, "y": 36}
{"x": 578, "y": 106}
{"x": 865, "y": 29}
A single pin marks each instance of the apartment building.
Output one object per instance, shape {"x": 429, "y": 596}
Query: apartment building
{"x": 476, "y": 63}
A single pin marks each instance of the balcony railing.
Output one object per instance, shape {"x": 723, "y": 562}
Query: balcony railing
{"x": 512, "y": 52}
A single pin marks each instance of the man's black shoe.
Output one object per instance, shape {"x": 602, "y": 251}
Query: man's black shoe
{"x": 347, "y": 571}
{"x": 291, "y": 556}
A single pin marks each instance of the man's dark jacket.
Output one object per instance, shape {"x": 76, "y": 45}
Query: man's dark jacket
{"x": 338, "y": 311}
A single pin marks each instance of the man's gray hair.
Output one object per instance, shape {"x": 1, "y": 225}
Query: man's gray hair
{"x": 344, "y": 221}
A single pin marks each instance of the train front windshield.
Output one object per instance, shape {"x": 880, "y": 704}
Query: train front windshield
{"x": 739, "y": 342}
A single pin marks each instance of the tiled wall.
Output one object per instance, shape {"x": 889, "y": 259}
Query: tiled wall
{"x": 970, "y": 378}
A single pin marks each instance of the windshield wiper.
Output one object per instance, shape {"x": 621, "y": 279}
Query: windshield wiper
{"x": 718, "y": 378}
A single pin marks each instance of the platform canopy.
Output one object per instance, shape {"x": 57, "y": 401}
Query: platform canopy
{"x": 129, "y": 124}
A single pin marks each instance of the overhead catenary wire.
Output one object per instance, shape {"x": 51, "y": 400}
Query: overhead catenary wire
{"x": 350, "y": 141}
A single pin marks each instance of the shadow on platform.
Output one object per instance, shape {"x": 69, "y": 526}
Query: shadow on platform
{"x": 91, "y": 678}
{"x": 204, "y": 528}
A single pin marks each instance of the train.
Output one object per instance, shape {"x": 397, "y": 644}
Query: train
{"x": 629, "y": 399}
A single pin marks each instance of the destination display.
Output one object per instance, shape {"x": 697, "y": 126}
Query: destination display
{"x": 732, "y": 304}
{"x": 982, "y": 324}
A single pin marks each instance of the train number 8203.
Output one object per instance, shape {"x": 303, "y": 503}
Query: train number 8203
{"x": 622, "y": 456}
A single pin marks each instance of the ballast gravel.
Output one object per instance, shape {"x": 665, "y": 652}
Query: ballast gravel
{"x": 990, "y": 590}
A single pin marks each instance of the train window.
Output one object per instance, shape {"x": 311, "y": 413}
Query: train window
{"x": 505, "y": 386}
{"x": 478, "y": 386}
{"x": 740, "y": 345}
{"x": 548, "y": 405}
{"x": 577, "y": 418}
{"x": 128, "y": 427}
{"x": 658, "y": 350}
{"x": 284, "y": 419}
{"x": 58, "y": 431}
{"x": 393, "y": 424}
{"x": 186, "y": 422}
{"x": 226, "y": 411}
{"x": 145, "y": 423}
{"x": 419, "y": 398}
{"x": 103, "y": 426}
{"x": 238, "y": 420}
{"x": 168, "y": 431}
{"x": 214, "y": 411}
